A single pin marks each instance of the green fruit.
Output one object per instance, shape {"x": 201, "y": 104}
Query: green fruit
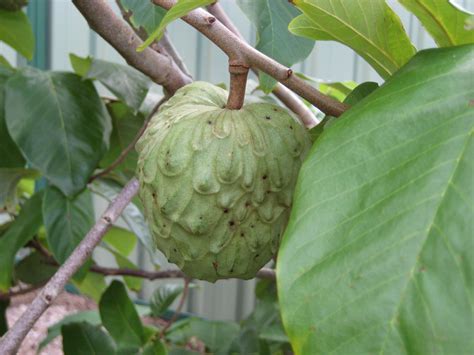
{"x": 217, "y": 184}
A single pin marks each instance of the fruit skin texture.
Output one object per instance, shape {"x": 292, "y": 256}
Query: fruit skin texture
{"x": 217, "y": 184}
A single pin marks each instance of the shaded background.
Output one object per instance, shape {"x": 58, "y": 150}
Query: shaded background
{"x": 60, "y": 29}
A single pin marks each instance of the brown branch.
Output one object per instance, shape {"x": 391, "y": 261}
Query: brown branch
{"x": 286, "y": 96}
{"x": 178, "y": 309}
{"x": 238, "y": 81}
{"x": 11, "y": 341}
{"x": 131, "y": 146}
{"x": 160, "y": 68}
{"x": 18, "y": 291}
{"x": 235, "y": 48}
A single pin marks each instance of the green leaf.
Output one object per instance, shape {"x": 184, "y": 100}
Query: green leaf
{"x": 125, "y": 125}
{"x": 34, "y": 269}
{"x": 122, "y": 240}
{"x": 377, "y": 256}
{"x": 67, "y": 220}
{"x": 144, "y": 14}
{"x": 10, "y": 156}
{"x": 90, "y": 284}
{"x": 9, "y": 179}
{"x": 3, "y": 316}
{"x": 91, "y": 317}
{"x": 20, "y": 231}
{"x": 163, "y": 297}
{"x": 120, "y": 317}
{"x": 271, "y": 19}
{"x": 155, "y": 347}
{"x": 84, "y": 338}
{"x": 360, "y": 92}
{"x": 180, "y": 9}
{"x": 15, "y": 30}
{"x": 372, "y": 29}
{"x": 352, "y": 98}
{"x": 444, "y": 22}
{"x": 127, "y": 83}
{"x": 73, "y": 132}
{"x": 133, "y": 283}
{"x": 132, "y": 216}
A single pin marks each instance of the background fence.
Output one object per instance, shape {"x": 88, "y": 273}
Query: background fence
{"x": 60, "y": 29}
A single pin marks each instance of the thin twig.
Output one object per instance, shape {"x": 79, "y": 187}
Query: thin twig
{"x": 131, "y": 146}
{"x": 178, "y": 309}
{"x": 160, "y": 68}
{"x": 236, "y": 48}
{"x": 20, "y": 291}
{"x": 11, "y": 341}
{"x": 286, "y": 96}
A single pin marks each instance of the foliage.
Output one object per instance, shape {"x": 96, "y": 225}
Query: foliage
{"x": 445, "y": 22}
{"x": 378, "y": 35}
{"x": 377, "y": 257}
{"x": 181, "y": 8}
{"x": 385, "y": 218}
{"x": 273, "y": 38}
{"x": 15, "y": 30}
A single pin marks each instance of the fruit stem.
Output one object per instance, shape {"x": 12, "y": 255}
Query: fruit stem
{"x": 238, "y": 81}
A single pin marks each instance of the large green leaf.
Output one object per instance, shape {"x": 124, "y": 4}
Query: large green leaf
{"x": 445, "y": 22}
{"x": 144, "y": 14}
{"x": 59, "y": 123}
{"x": 15, "y": 30}
{"x": 180, "y": 9}
{"x": 91, "y": 317}
{"x": 120, "y": 317}
{"x": 9, "y": 179}
{"x": 127, "y": 83}
{"x": 10, "y": 156}
{"x": 126, "y": 125}
{"x": 378, "y": 256}
{"x": 20, "y": 231}
{"x": 271, "y": 18}
{"x": 370, "y": 27}
{"x": 67, "y": 220}
{"x": 84, "y": 338}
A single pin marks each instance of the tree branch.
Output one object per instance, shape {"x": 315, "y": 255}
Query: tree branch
{"x": 164, "y": 45}
{"x": 286, "y": 96}
{"x": 116, "y": 32}
{"x": 238, "y": 81}
{"x": 235, "y": 48}
{"x": 12, "y": 339}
